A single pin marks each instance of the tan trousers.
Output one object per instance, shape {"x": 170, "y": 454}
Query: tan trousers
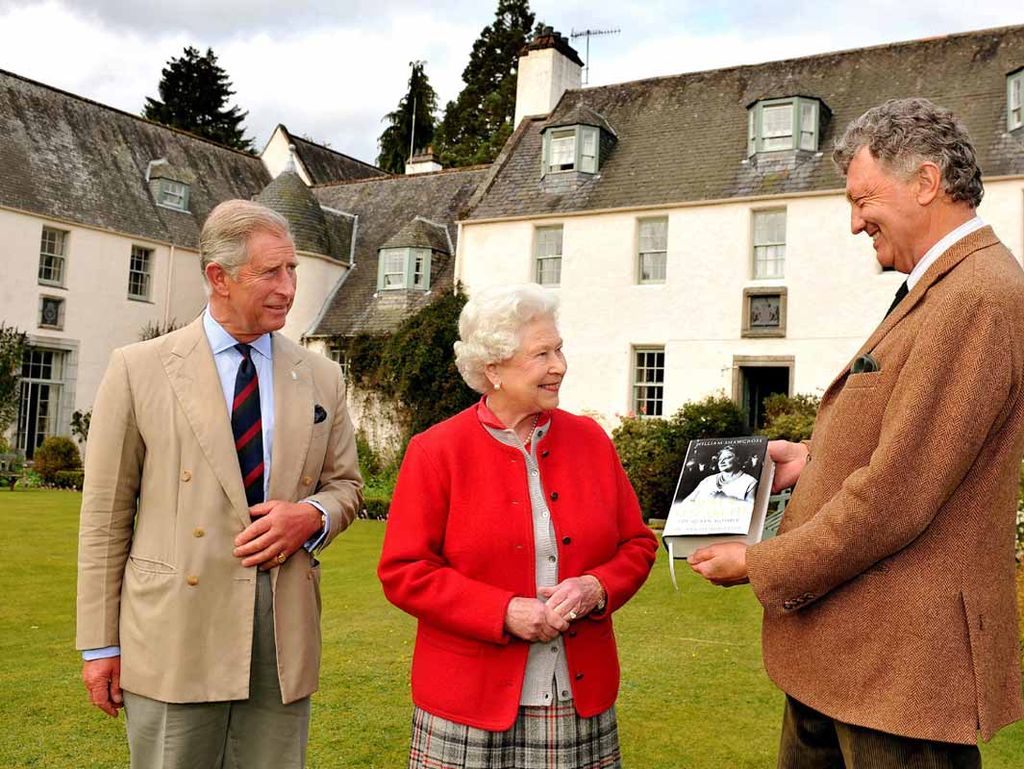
{"x": 812, "y": 740}
{"x": 257, "y": 733}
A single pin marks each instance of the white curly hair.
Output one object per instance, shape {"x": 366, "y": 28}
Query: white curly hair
{"x": 491, "y": 325}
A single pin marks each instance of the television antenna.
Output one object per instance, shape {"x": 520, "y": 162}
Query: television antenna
{"x": 589, "y": 33}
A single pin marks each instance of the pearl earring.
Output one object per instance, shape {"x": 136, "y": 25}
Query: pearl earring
{"x": 497, "y": 385}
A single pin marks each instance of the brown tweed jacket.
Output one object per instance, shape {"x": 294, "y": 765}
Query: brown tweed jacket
{"x": 889, "y": 594}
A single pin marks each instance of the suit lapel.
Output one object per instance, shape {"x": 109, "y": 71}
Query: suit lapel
{"x": 293, "y": 417}
{"x": 192, "y": 373}
{"x": 959, "y": 251}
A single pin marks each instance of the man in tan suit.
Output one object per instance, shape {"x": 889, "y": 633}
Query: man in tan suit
{"x": 221, "y": 458}
{"x": 890, "y": 619}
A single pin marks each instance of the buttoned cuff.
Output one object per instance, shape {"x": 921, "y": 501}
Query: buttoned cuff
{"x": 99, "y": 654}
{"x": 314, "y": 543}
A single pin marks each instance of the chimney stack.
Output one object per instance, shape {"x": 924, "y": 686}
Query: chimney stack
{"x": 548, "y": 67}
{"x": 423, "y": 163}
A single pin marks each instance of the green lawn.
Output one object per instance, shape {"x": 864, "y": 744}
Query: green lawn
{"x": 693, "y": 692}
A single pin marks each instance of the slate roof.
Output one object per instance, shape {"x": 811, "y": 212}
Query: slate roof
{"x": 420, "y": 233}
{"x": 315, "y": 230}
{"x": 66, "y": 157}
{"x": 683, "y": 138}
{"x": 325, "y": 165}
{"x": 387, "y": 208}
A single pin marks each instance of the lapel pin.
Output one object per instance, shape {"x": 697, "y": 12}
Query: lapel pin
{"x": 295, "y": 376}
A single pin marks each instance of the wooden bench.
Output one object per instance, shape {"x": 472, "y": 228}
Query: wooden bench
{"x": 10, "y": 469}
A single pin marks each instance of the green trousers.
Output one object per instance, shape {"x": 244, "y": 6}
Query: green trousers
{"x": 256, "y": 733}
{"x": 812, "y": 740}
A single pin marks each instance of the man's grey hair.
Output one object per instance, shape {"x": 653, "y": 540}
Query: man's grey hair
{"x": 226, "y": 232}
{"x": 904, "y": 133}
{"x": 491, "y": 326}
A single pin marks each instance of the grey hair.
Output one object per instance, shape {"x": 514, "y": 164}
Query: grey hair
{"x": 904, "y": 133}
{"x": 491, "y": 325}
{"x": 226, "y": 232}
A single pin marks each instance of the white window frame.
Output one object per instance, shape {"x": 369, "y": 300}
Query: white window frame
{"x": 340, "y": 356}
{"x": 172, "y": 194}
{"x": 402, "y": 268}
{"x": 578, "y": 149}
{"x": 547, "y": 259}
{"x": 651, "y": 253}
{"x": 1015, "y": 100}
{"x": 647, "y": 396}
{"x": 767, "y": 263}
{"x": 53, "y": 255}
{"x": 804, "y": 129}
{"x": 140, "y": 273}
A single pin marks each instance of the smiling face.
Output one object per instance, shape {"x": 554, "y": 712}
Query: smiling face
{"x": 726, "y": 461}
{"x": 257, "y": 300}
{"x": 887, "y": 209}
{"x": 531, "y": 378}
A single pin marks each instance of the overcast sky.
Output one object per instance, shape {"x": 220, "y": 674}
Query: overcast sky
{"x": 330, "y": 69}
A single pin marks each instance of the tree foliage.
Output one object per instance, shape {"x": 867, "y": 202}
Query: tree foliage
{"x": 416, "y": 109}
{"x": 194, "y": 93}
{"x": 479, "y": 121}
{"x": 12, "y": 351}
{"x": 652, "y": 450}
{"x": 57, "y": 453}
{"x": 790, "y": 419}
{"x": 155, "y": 328}
{"x": 415, "y": 366}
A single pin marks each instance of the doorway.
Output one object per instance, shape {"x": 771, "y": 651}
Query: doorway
{"x": 754, "y": 379}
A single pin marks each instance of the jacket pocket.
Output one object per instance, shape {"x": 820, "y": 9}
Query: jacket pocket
{"x": 150, "y": 565}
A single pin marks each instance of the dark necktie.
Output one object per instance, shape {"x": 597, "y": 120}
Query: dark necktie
{"x": 901, "y": 292}
{"x": 247, "y": 426}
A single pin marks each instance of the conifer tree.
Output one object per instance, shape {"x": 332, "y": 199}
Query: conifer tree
{"x": 394, "y": 142}
{"x": 477, "y": 123}
{"x": 194, "y": 92}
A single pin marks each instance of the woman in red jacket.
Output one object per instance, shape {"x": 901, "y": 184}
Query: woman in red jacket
{"x": 513, "y": 536}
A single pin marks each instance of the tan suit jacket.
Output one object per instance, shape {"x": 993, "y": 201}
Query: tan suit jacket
{"x": 163, "y": 502}
{"x": 889, "y": 595}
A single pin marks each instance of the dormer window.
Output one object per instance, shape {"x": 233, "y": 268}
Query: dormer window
{"x": 571, "y": 148}
{"x": 1015, "y": 101}
{"x": 404, "y": 268}
{"x": 783, "y": 124}
{"x": 172, "y": 194}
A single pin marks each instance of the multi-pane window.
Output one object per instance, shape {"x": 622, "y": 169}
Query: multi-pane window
{"x": 52, "y": 254}
{"x": 547, "y": 251}
{"x": 339, "y": 356}
{"x": 173, "y": 194}
{"x": 572, "y": 148}
{"x": 51, "y": 312}
{"x": 783, "y": 124}
{"x": 652, "y": 248}
{"x": 139, "y": 272}
{"x": 769, "y": 243}
{"x": 1015, "y": 101}
{"x": 42, "y": 375}
{"x": 404, "y": 268}
{"x": 649, "y": 381}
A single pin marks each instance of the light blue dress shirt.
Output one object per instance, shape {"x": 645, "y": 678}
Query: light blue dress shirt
{"x": 227, "y": 358}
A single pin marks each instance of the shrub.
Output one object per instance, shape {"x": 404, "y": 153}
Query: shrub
{"x": 57, "y": 453}
{"x": 790, "y": 419}
{"x": 652, "y": 450}
{"x": 376, "y": 508}
{"x": 69, "y": 479}
{"x": 29, "y": 480}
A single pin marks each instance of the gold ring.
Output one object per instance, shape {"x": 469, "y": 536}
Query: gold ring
{"x": 572, "y": 614}
{"x": 281, "y": 558}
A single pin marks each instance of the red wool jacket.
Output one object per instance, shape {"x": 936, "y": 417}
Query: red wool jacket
{"x": 459, "y": 547}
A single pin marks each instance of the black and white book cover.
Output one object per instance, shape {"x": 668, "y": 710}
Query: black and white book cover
{"x": 721, "y": 496}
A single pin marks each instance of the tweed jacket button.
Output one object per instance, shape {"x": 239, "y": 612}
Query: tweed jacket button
{"x": 192, "y": 580}
{"x": 198, "y": 531}
{"x": 554, "y": 496}
{"x": 186, "y": 476}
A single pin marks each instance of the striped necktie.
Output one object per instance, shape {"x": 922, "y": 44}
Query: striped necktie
{"x": 247, "y": 426}
{"x": 901, "y": 292}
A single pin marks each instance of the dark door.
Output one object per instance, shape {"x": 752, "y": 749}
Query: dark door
{"x": 758, "y": 383}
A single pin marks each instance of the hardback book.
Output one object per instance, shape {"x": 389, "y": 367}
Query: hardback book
{"x": 722, "y": 496}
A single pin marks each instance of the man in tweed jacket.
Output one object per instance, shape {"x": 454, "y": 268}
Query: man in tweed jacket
{"x": 889, "y": 610}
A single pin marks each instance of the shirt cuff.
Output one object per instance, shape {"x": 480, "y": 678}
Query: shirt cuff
{"x": 99, "y": 654}
{"x": 315, "y": 542}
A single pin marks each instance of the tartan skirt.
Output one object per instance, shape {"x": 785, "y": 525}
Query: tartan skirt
{"x": 542, "y": 737}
